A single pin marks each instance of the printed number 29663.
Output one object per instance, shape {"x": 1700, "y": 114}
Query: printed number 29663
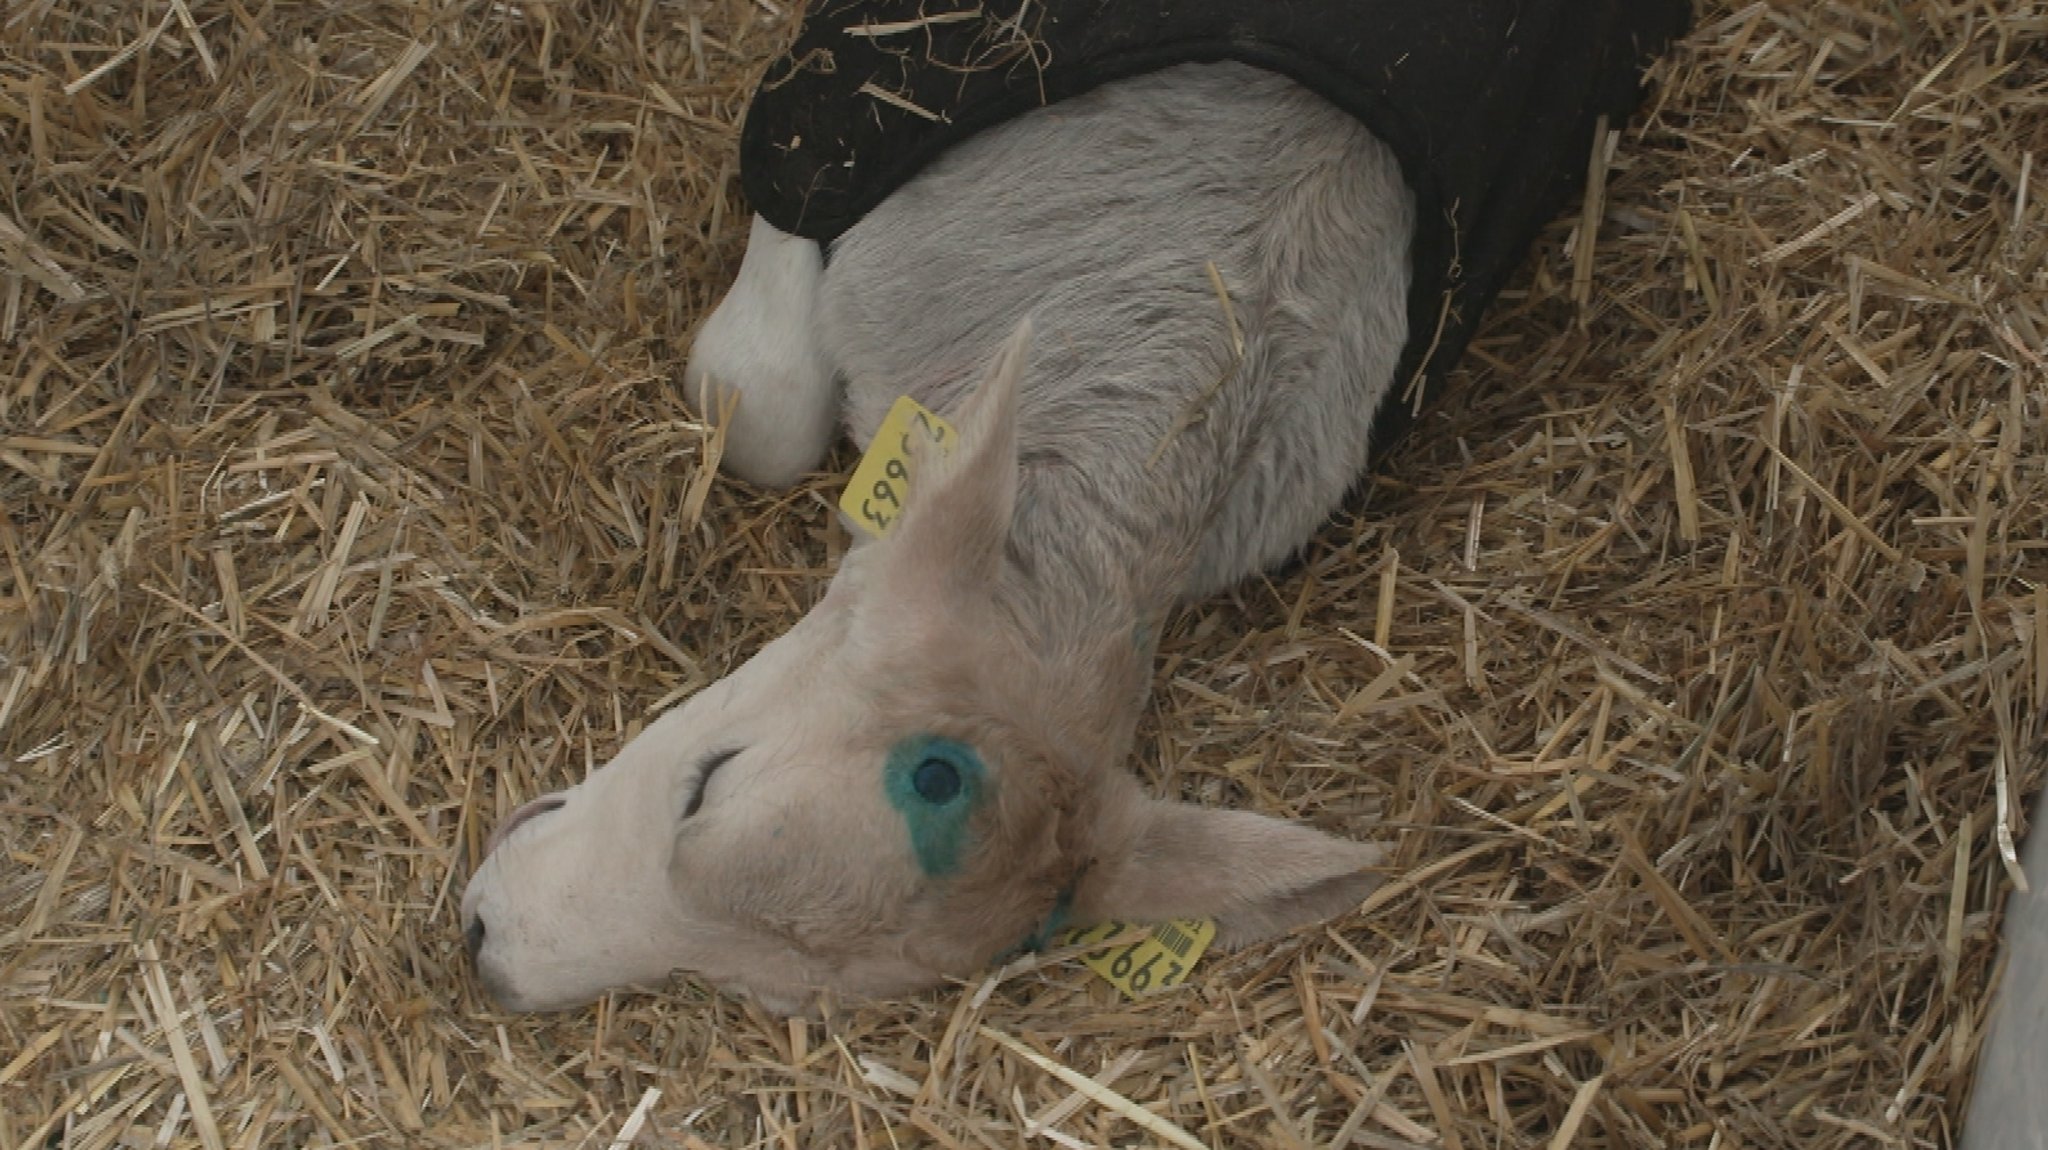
{"x": 1155, "y": 962}
{"x": 875, "y": 497}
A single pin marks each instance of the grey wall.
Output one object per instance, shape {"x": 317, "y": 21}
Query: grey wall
{"x": 2009, "y": 1109}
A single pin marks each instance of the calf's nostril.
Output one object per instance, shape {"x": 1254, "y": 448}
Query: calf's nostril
{"x": 473, "y": 937}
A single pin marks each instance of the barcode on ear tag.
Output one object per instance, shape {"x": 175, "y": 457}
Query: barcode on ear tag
{"x": 880, "y": 485}
{"x": 1160, "y": 960}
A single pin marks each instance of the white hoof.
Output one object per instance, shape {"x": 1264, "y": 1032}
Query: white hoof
{"x": 761, "y": 346}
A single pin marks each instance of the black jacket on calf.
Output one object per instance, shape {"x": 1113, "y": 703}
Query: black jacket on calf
{"x": 1489, "y": 105}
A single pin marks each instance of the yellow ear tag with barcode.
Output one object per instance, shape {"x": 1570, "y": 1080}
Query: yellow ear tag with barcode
{"x": 876, "y": 494}
{"x": 1156, "y": 962}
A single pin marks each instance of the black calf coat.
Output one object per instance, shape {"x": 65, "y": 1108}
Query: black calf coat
{"x": 1489, "y": 105}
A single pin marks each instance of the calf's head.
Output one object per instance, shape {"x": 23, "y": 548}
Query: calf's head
{"x": 916, "y": 778}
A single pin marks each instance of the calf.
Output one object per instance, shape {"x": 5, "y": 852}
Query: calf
{"x": 927, "y": 770}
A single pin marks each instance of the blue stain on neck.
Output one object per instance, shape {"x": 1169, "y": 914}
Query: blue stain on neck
{"x": 1145, "y": 635}
{"x": 937, "y": 820}
{"x": 1042, "y": 937}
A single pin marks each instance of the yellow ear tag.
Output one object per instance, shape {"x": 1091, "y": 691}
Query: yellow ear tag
{"x": 1160, "y": 960}
{"x": 875, "y": 495}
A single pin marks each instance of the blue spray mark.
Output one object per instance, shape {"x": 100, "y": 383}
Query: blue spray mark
{"x": 936, "y": 784}
{"x": 1054, "y": 921}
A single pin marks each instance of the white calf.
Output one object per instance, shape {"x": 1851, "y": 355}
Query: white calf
{"x": 928, "y": 769}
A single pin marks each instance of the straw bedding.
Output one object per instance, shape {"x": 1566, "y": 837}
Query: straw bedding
{"x": 1694, "y": 655}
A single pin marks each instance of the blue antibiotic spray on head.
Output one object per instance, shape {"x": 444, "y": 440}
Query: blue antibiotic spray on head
{"x": 936, "y": 784}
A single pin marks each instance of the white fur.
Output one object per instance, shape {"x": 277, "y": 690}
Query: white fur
{"x": 1133, "y": 459}
{"x": 1097, "y": 217}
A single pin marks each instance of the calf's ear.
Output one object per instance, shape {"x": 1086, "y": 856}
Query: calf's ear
{"x": 1257, "y": 877}
{"x": 958, "y": 514}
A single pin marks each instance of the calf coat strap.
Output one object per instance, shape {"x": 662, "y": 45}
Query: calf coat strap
{"x": 1488, "y": 104}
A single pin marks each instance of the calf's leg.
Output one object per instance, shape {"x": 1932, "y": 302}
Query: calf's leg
{"x": 760, "y": 347}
